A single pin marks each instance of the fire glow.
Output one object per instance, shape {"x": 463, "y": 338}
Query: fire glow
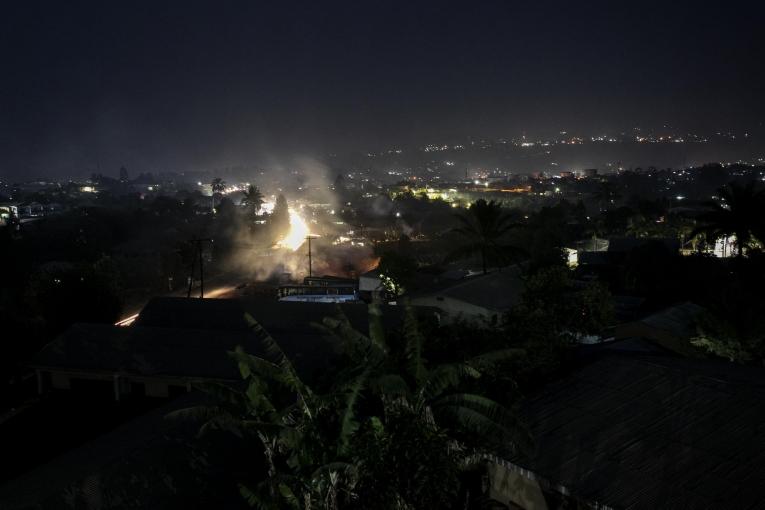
{"x": 297, "y": 234}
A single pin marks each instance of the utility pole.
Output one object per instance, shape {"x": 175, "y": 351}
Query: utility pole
{"x": 310, "y": 258}
{"x": 198, "y": 253}
{"x": 191, "y": 274}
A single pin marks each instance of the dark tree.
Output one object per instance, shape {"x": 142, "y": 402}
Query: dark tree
{"x": 252, "y": 200}
{"x": 740, "y": 212}
{"x": 280, "y": 218}
{"x": 218, "y": 186}
{"x": 483, "y": 229}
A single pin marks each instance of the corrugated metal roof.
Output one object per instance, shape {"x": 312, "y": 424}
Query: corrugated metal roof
{"x": 677, "y": 320}
{"x": 653, "y": 432}
{"x": 498, "y": 290}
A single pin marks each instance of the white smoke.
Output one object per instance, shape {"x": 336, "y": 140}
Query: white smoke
{"x": 307, "y": 184}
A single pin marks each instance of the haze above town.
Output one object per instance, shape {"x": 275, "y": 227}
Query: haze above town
{"x": 177, "y": 87}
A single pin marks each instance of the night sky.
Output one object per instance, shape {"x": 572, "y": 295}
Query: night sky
{"x": 189, "y": 85}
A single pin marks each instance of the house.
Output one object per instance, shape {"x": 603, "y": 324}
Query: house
{"x": 8, "y": 211}
{"x": 176, "y": 343}
{"x": 670, "y": 329}
{"x": 370, "y": 285}
{"x": 644, "y": 431}
{"x": 173, "y": 344}
{"x": 604, "y": 252}
{"x": 321, "y": 289}
{"x": 627, "y": 244}
{"x": 131, "y": 361}
{"x": 483, "y": 296}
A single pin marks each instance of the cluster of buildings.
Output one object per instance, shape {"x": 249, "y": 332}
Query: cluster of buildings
{"x": 637, "y": 396}
{"x": 638, "y": 419}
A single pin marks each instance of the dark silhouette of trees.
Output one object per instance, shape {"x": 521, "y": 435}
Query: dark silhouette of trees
{"x": 606, "y": 195}
{"x": 733, "y": 324}
{"x": 397, "y": 271}
{"x": 733, "y": 340}
{"x": 252, "y": 200}
{"x": 226, "y": 210}
{"x": 280, "y": 217}
{"x": 391, "y": 431}
{"x": 64, "y": 293}
{"x": 555, "y": 312}
{"x": 483, "y": 228}
{"x": 217, "y": 186}
{"x": 740, "y": 212}
{"x": 570, "y": 310}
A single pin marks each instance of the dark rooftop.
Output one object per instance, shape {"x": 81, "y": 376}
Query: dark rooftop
{"x": 653, "y": 432}
{"x": 190, "y": 337}
{"x": 678, "y": 320}
{"x": 282, "y": 319}
{"x": 625, "y": 244}
{"x": 146, "y": 351}
{"x": 498, "y": 290}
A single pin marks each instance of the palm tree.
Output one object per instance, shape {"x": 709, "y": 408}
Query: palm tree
{"x": 218, "y": 185}
{"x": 252, "y": 200}
{"x": 306, "y": 461}
{"x": 406, "y": 380}
{"x": 739, "y": 213}
{"x": 432, "y": 399}
{"x": 484, "y": 226}
{"x": 321, "y": 451}
{"x": 280, "y": 216}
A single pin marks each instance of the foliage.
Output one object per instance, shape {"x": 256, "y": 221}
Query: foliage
{"x": 568, "y": 309}
{"x": 393, "y": 431}
{"x": 280, "y": 218}
{"x": 252, "y": 200}
{"x": 720, "y": 338}
{"x": 548, "y": 230}
{"x": 218, "y": 185}
{"x": 396, "y": 272}
{"x": 733, "y": 325}
{"x": 408, "y": 463}
{"x": 483, "y": 229}
{"x": 63, "y": 293}
{"x": 606, "y": 195}
{"x": 226, "y": 210}
{"x": 553, "y": 314}
{"x": 739, "y": 213}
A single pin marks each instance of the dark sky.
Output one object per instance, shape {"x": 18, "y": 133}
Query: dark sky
{"x": 187, "y": 85}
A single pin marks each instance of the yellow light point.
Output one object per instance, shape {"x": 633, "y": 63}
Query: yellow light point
{"x": 297, "y": 234}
